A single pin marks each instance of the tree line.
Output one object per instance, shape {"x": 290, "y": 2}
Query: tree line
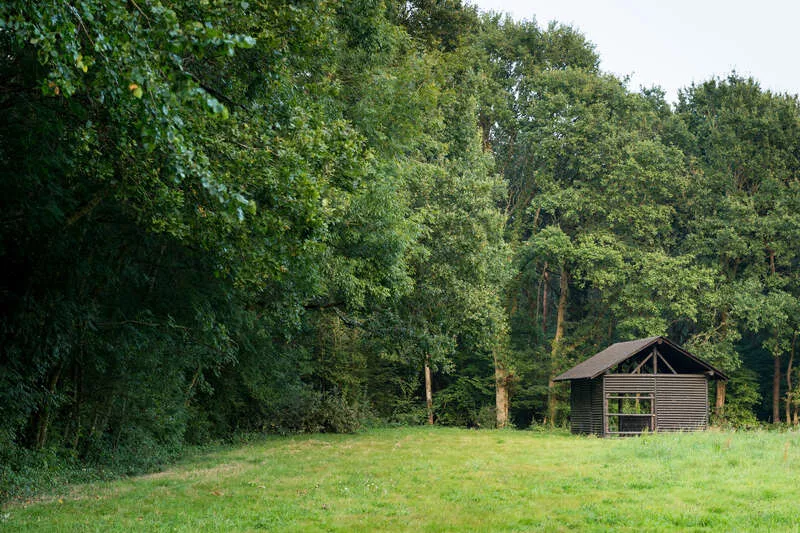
{"x": 269, "y": 217}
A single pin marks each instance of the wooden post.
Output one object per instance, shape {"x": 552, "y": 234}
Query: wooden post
{"x": 640, "y": 365}
{"x": 653, "y": 411}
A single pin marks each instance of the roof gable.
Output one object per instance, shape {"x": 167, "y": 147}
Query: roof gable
{"x": 621, "y": 351}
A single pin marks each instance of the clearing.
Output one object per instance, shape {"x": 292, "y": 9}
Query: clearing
{"x": 445, "y": 479}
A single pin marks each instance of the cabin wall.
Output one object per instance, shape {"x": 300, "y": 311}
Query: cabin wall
{"x": 681, "y": 400}
{"x": 597, "y": 406}
{"x": 586, "y": 406}
{"x": 629, "y": 383}
{"x": 581, "y": 406}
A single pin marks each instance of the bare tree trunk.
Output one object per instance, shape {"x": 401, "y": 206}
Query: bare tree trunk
{"x": 78, "y": 404}
{"x": 121, "y": 423}
{"x": 43, "y": 422}
{"x": 195, "y": 377}
{"x": 428, "y": 389}
{"x": 546, "y": 277}
{"x": 789, "y": 392}
{"x": 776, "y": 375}
{"x": 719, "y": 404}
{"x": 556, "y": 345}
{"x": 501, "y": 379}
{"x": 776, "y": 391}
{"x": 485, "y": 124}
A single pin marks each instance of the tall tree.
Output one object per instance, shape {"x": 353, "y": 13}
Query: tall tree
{"x": 744, "y": 220}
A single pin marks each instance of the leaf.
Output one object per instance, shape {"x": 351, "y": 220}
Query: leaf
{"x": 80, "y": 64}
{"x": 136, "y": 90}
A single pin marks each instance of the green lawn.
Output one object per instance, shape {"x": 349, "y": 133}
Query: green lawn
{"x": 440, "y": 479}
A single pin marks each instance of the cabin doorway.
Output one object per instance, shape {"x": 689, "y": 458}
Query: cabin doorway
{"x": 629, "y": 413}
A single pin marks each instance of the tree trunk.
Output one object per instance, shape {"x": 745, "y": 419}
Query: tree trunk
{"x": 789, "y": 392}
{"x": 122, "y": 422}
{"x": 546, "y": 278}
{"x": 556, "y": 345}
{"x": 776, "y": 391}
{"x": 428, "y": 389}
{"x": 485, "y": 124}
{"x": 501, "y": 379}
{"x": 719, "y": 404}
{"x": 77, "y": 413}
{"x": 43, "y": 422}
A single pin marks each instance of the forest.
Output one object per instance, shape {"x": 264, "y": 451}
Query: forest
{"x": 220, "y": 218}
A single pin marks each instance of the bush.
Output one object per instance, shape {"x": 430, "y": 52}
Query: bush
{"x": 25, "y": 473}
{"x": 742, "y": 398}
{"x": 486, "y": 417}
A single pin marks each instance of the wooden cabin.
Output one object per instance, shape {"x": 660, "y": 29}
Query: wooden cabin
{"x": 648, "y": 384}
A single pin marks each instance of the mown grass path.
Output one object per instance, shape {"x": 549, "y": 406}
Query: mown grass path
{"x": 441, "y": 479}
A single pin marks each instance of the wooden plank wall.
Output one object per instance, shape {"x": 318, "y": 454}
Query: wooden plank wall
{"x": 681, "y": 402}
{"x": 597, "y": 406}
{"x": 630, "y": 383}
{"x": 586, "y": 406}
{"x": 581, "y": 406}
{"x": 681, "y": 399}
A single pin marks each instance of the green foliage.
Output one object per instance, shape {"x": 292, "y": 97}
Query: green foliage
{"x": 267, "y": 217}
{"x": 743, "y": 399}
{"x": 185, "y": 187}
{"x": 214, "y": 216}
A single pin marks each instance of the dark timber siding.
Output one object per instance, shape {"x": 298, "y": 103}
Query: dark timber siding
{"x": 630, "y": 383}
{"x": 597, "y": 406}
{"x": 586, "y": 401}
{"x": 681, "y": 402}
{"x": 580, "y": 399}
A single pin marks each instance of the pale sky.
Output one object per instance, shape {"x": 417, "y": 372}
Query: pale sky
{"x": 675, "y": 42}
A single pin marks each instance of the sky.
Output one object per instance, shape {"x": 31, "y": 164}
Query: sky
{"x": 674, "y": 43}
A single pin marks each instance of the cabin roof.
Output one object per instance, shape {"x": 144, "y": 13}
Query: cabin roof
{"x": 620, "y": 351}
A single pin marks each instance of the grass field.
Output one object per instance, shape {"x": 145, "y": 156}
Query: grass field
{"x": 440, "y": 479}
